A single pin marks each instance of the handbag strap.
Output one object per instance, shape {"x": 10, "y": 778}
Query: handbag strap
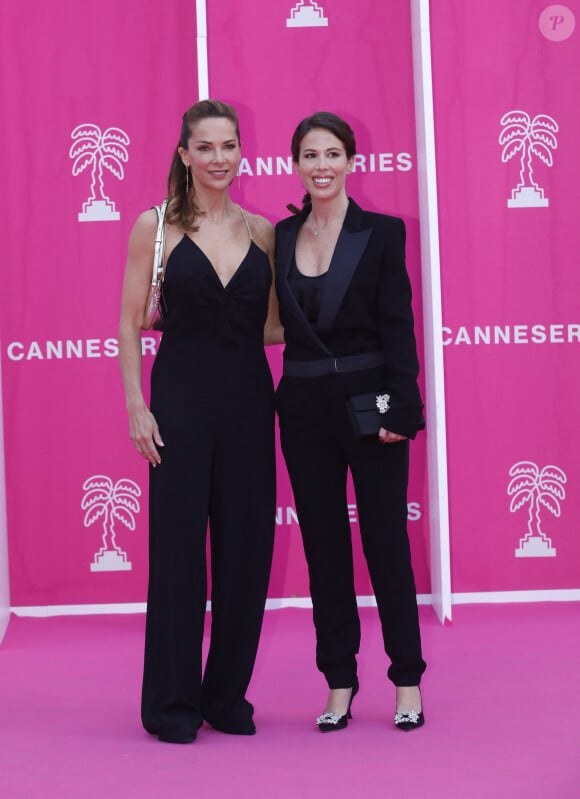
{"x": 157, "y": 276}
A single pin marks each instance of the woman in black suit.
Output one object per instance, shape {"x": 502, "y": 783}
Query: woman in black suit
{"x": 345, "y": 303}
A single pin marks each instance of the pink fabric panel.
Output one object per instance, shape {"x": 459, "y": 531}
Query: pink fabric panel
{"x": 106, "y": 64}
{"x": 359, "y": 65}
{"x": 510, "y": 288}
{"x": 129, "y": 70}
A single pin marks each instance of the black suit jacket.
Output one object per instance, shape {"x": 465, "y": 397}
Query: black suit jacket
{"x": 365, "y": 307}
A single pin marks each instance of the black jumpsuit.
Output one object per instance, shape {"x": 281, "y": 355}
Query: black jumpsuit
{"x": 212, "y": 396}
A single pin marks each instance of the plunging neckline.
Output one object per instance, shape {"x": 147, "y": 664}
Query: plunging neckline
{"x": 212, "y": 268}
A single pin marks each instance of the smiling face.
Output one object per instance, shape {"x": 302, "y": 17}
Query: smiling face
{"x": 213, "y": 153}
{"x": 323, "y": 164}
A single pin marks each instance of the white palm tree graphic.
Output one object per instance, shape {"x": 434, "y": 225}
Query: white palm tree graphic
{"x": 528, "y": 137}
{"x": 99, "y": 150}
{"x": 539, "y": 488}
{"x": 110, "y": 502}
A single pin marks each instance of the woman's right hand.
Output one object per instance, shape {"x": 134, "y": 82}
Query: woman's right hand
{"x": 143, "y": 428}
{"x": 145, "y": 435}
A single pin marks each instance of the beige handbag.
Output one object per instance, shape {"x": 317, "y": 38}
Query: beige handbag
{"x": 153, "y": 315}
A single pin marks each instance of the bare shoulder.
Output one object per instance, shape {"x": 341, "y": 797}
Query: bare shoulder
{"x": 142, "y": 237}
{"x": 262, "y": 231}
{"x": 259, "y": 222}
{"x": 146, "y": 223}
{"x": 143, "y": 232}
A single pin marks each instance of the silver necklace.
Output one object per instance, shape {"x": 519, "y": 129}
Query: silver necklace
{"x": 316, "y": 228}
{"x": 212, "y": 220}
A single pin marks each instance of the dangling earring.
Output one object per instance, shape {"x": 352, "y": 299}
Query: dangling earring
{"x": 186, "y": 179}
{"x": 239, "y": 183}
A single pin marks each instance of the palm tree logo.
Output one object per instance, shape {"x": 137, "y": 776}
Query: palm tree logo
{"x": 111, "y": 503}
{"x": 538, "y": 488}
{"x": 528, "y": 137}
{"x": 100, "y": 151}
{"x": 307, "y": 15}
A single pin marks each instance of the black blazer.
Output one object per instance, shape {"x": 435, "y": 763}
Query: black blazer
{"x": 365, "y": 307}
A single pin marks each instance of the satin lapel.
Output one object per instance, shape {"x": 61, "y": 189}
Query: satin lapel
{"x": 285, "y": 244}
{"x": 285, "y": 247}
{"x": 346, "y": 257}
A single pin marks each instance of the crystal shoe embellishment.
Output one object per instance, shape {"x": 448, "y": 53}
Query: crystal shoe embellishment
{"x": 407, "y": 715}
{"x": 329, "y": 718}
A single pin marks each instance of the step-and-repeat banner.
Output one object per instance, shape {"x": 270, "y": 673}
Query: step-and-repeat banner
{"x": 92, "y": 98}
{"x": 278, "y": 67}
{"x": 94, "y": 117}
{"x": 507, "y": 116}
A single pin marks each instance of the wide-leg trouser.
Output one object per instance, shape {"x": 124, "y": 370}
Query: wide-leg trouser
{"x": 319, "y": 447}
{"x": 225, "y": 473}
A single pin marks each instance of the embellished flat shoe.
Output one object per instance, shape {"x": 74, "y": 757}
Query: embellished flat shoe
{"x": 329, "y": 722}
{"x": 409, "y": 720}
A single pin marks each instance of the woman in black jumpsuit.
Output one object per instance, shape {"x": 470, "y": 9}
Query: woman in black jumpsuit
{"x": 208, "y": 436}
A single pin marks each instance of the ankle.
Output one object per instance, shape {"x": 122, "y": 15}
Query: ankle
{"x": 338, "y": 700}
{"x": 409, "y": 698}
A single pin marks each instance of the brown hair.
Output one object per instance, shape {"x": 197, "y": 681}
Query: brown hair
{"x": 327, "y": 121}
{"x": 182, "y": 209}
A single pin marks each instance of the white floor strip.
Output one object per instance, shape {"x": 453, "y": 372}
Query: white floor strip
{"x": 474, "y": 598}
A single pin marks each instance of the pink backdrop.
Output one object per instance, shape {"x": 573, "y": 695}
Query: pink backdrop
{"x": 135, "y": 74}
{"x": 119, "y": 75}
{"x": 101, "y": 65}
{"x": 279, "y": 74}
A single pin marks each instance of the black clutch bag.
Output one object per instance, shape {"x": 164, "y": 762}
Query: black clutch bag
{"x": 366, "y": 412}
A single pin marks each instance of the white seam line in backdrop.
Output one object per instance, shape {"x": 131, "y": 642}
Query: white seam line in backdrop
{"x": 202, "y": 60}
{"x": 440, "y": 556}
{"x": 475, "y": 598}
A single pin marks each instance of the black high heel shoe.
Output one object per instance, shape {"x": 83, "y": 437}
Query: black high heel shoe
{"x": 329, "y": 722}
{"x": 407, "y": 720}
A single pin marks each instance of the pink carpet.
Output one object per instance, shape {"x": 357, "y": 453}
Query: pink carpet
{"x": 501, "y": 700}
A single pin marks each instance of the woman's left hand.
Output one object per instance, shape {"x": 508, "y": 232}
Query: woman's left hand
{"x": 386, "y": 437}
